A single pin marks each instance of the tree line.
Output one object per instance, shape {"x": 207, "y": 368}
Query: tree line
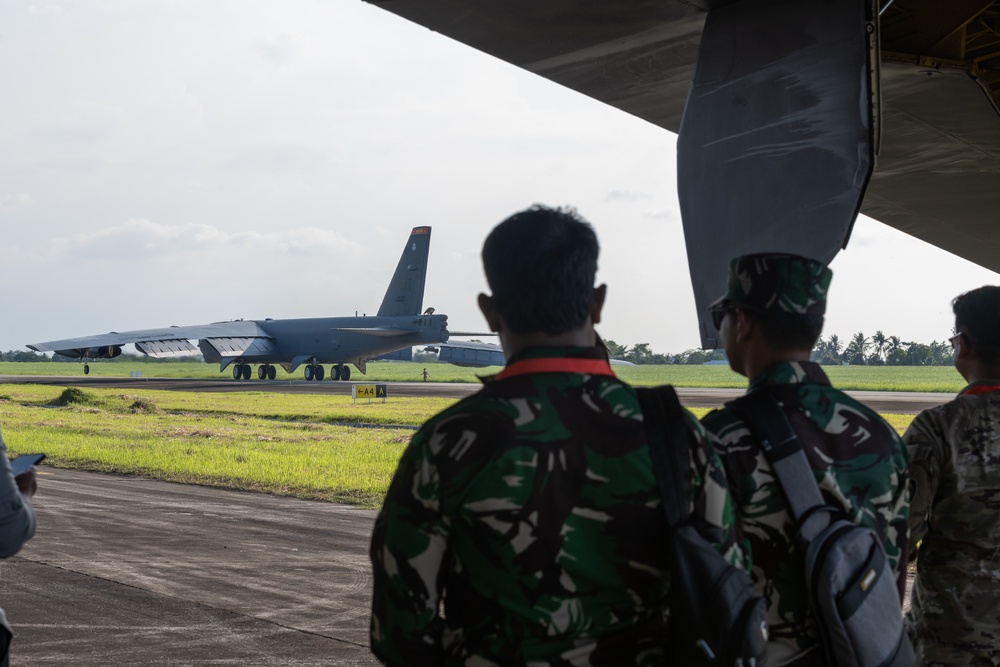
{"x": 28, "y": 355}
{"x": 860, "y": 350}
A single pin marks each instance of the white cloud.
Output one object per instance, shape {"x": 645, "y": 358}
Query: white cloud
{"x": 281, "y": 48}
{"x": 625, "y": 195}
{"x": 140, "y": 239}
{"x": 10, "y": 201}
{"x": 39, "y": 10}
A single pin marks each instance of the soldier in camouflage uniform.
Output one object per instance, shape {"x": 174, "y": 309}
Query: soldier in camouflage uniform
{"x": 523, "y": 525}
{"x": 769, "y": 320}
{"x": 955, "y": 510}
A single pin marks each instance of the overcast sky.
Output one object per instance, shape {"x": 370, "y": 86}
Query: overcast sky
{"x": 172, "y": 162}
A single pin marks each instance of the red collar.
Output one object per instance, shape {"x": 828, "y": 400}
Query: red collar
{"x": 981, "y": 389}
{"x": 557, "y": 365}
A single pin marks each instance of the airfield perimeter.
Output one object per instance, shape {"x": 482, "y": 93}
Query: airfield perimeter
{"x": 897, "y": 402}
{"x": 128, "y": 571}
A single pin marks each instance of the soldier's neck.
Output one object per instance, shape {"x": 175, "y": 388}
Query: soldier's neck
{"x": 515, "y": 343}
{"x": 766, "y": 357}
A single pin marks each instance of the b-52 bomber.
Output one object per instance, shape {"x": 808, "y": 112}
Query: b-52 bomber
{"x": 399, "y": 325}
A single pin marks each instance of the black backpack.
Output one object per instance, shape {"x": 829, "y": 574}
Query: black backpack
{"x": 851, "y": 587}
{"x": 715, "y": 618}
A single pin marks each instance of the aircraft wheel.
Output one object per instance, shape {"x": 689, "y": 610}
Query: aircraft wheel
{"x": 237, "y": 371}
{"x": 308, "y": 372}
{"x": 86, "y": 369}
{"x": 319, "y": 371}
{"x": 246, "y": 371}
{"x": 335, "y": 372}
{"x": 271, "y": 373}
{"x": 345, "y": 373}
{"x": 262, "y": 372}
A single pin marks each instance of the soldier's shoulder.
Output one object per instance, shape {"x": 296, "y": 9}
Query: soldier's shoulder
{"x": 484, "y": 404}
{"x": 719, "y": 420}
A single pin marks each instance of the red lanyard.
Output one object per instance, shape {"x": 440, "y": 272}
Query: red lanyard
{"x": 556, "y": 365}
{"x": 982, "y": 389}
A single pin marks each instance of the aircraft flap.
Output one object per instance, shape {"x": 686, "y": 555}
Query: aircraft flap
{"x": 162, "y": 349}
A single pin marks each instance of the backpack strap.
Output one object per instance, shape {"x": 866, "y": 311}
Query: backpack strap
{"x": 669, "y": 442}
{"x": 769, "y": 424}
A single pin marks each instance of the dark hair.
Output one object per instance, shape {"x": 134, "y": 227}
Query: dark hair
{"x": 540, "y": 265}
{"x": 788, "y": 331}
{"x": 977, "y": 315}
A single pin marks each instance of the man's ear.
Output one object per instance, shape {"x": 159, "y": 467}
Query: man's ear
{"x": 744, "y": 324}
{"x": 963, "y": 351}
{"x": 597, "y": 302}
{"x": 488, "y": 306}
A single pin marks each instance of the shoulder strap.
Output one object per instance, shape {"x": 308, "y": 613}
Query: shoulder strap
{"x": 769, "y": 424}
{"x": 669, "y": 442}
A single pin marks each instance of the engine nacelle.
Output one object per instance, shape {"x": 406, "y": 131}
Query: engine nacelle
{"x": 104, "y": 352}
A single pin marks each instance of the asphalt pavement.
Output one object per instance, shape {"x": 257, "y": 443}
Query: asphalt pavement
{"x": 127, "y": 571}
{"x": 897, "y": 402}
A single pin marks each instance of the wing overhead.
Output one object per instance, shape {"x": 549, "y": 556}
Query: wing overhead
{"x": 938, "y": 97}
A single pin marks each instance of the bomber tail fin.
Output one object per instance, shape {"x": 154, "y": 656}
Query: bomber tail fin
{"x": 405, "y": 295}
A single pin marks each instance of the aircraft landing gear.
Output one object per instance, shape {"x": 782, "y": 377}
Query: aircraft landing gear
{"x": 314, "y": 372}
{"x": 241, "y": 371}
{"x": 86, "y": 369}
{"x": 266, "y": 372}
{"x": 340, "y": 372}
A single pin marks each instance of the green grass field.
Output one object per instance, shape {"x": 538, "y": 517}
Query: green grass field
{"x": 319, "y": 447}
{"x": 873, "y": 378}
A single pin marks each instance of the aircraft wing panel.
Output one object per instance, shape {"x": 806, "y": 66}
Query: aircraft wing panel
{"x": 938, "y": 174}
{"x": 115, "y": 338}
{"x": 636, "y": 56}
{"x": 475, "y": 355}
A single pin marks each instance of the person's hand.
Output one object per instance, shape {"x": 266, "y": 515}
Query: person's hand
{"x": 27, "y": 483}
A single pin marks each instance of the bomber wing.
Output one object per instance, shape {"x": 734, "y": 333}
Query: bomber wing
{"x": 937, "y": 108}
{"x": 165, "y": 342}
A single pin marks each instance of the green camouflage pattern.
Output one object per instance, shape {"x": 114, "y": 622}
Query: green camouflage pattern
{"x": 860, "y": 464}
{"x": 955, "y": 514}
{"x": 782, "y": 282}
{"x": 523, "y": 526}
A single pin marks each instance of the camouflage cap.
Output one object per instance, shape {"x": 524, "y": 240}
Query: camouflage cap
{"x": 775, "y": 281}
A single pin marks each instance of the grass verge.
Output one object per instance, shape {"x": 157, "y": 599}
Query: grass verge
{"x": 314, "y": 447}
{"x": 862, "y": 378}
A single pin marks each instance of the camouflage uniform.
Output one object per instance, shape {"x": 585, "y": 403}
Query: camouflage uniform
{"x": 955, "y": 607}
{"x": 524, "y": 527}
{"x": 859, "y": 461}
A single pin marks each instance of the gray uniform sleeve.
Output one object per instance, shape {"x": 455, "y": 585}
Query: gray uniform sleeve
{"x": 17, "y": 519}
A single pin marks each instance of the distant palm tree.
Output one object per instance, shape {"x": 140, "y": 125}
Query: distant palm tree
{"x": 879, "y": 340}
{"x": 856, "y": 350}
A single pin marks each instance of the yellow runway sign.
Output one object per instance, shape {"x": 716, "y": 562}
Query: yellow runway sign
{"x": 369, "y": 391}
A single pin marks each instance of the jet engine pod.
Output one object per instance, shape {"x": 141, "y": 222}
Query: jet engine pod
{"x": 105, "y": 351}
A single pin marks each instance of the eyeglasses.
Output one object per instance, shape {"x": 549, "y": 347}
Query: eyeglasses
{"x": 954, "y": 340}
{"x": 719, "y": 314}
